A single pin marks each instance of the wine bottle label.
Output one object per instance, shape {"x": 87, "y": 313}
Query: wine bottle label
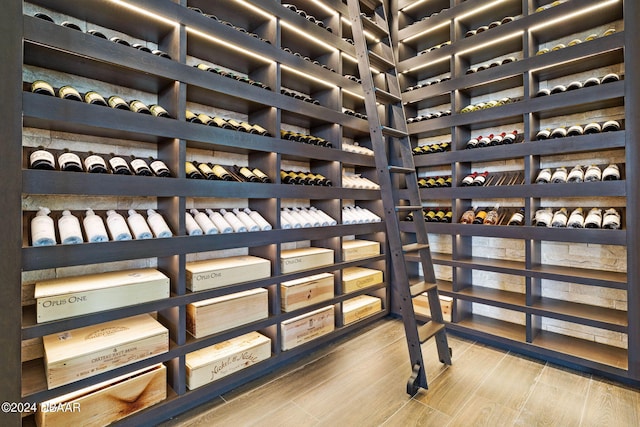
{"x": 544, "y": 217}
{"x": 467, "y": 217}
{"x": 40, "y": 156}
{"x": 92, "y": 97}
{"x": 138, "y": 165}
{"x": 68, "y": 159}
{"x": 544, "y": 176}
{"x": 204, "y": 168}
{"x": 118, "y": 162}
{"x": 257, "y": 172}
{"x": 139, "y": 107}
{"x": 158, "y": 111}
{"x": 117, "y": 102}
{"x": 42, "y": 87}
{"x": 516, "y": 218}
{"x": 159, "y": 167}
{"x": 94, "y": 161}
{"x": 219, "y": 171}
{"x": 468, "y": 180}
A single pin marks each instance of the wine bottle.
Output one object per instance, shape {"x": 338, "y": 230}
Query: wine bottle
{"x": 43, "y": 231}
{"x": 315, "y": 214}
{"x": 138, "y": 106}
{"x": 44, "y": 16}
{"x": 237, "y": 225}
{"x": 119, "y": 166}
{"x": 193, "y": 172}
{"x": 42, "y": 159}
{"x": 448, "y": 216}
{"x": 138, "y": 225}
{"x": 246, "y": 220}
{"x": 69, "y": 161}
{"x": 261, "y": 175}
{"x": 204, "y": 222}
{"x": 158, "y": 225}
{"x": 544, "y": 176}
{"x": 141, "y": 47}
{"x": 559, "y": 218}
{"x": 117, "y": 226}
{"x": 610, "y": 78}
{"x": 576, "y": 174}
{"x": 94, "y": 227}
{"x": 42, "y": 88}
{"x": 468, "y": 180}
{"x": 480, "y": 179}
{"x": 159, "y": 111}
{"x": 543, "y": 134}
{"x": 440, "y": 182}
{"x": 611, "y": 173}
{"x": 94, "y": 163}
{"x": 593, "y": 173}
{"x": 480, "y": 216}
{"x": 246, "y": 174}
{"x": 558, "y": 132}
{"x": 159, "y": 168}
{"x": 324, "y": 181}
{"x": 287, "y": 178}
{"x": 287, "y": 221}
{"x": 140, "y": 167}
{"x": 302, "y": 220}
{"x": 69, "y": 229}
{"x": 543, "y": 217}
{"x": 193, "y": 229}
{"x": 258, "y": 219}
{"x": 329, "y": 220}
{"x": 221, "y": 173}
{"x": 593, "y": 219}
{"x": 517, "y": 218}
{"x": 98, "y": 34}
{"x": 218, "y": 220}
{"x": 468, "y": 216}
{"x": 161, "y": 53}
{"x": 610, "y": 126}
{"x": 93, "y": 97}
{"x": 576, "y": 219}
{"x": 575, "y": 130}
{"x": 117, "y": 103}
{"x": 118, "y": 40}
{"x": 311, "y": 219}
{"x": 611, "y": 219}
{"x": 492, "y": 217}
{"x": 559, "y": 175}
{"x": 192, "y": 118}
{"x": 69, "y": 92}
{"x": 222, "y": 123}
{"x": 592, "y": 128}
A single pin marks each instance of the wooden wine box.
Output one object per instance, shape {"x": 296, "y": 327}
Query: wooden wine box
{"x": 301, "y": 329}
{"x": 355, "y": 278}
{"x": 295, "y": 294}
{"x": 215, "y": 273}
{"x": 218, "y": 314}
{"x": 356, "y": 249}
{"x": 73, "y": 296}
{"x": 80, "y": 353}
{"x": 219, "y": 360}
{"x": 292, "y": 260}
{"x": 358, "y": 308}
{"x": 104, "y": 403}
{"x": 421, "y": 306}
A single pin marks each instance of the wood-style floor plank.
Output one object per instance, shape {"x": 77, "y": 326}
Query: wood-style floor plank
{"x": 479, "y": 411}
{"x": 551, "y": 406}
{"x": 416, "y": 414}
{"x": 609, "y": 404}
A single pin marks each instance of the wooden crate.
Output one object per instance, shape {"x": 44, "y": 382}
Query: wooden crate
{"x": 295, "y": 294}
{"x": 214, "y": 273}
{"x": 356, "y": 249}
{"x": 218, "y": 314}
{"x": 421, "y": 306}
{"x": 292, "y": 260}
{"x": 74, "y": 296}
{"x": 219, "y": 360}
{"x": 107, "y": 402}
{"x": 301, "y": 329}
{"x": 355, "y": 278}
{"x": 358, "y": 308}
{"x": 80, "y": 353}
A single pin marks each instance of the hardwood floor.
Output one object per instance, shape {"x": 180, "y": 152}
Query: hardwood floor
{"x": 360, "y": 381}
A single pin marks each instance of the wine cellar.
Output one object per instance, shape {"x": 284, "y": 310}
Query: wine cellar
{"x": 191, "y": 197}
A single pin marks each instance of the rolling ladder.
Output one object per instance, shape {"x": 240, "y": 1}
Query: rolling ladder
{"x": 387, "y": 121}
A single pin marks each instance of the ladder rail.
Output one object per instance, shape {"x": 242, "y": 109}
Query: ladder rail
{"x": 392, "y": 132}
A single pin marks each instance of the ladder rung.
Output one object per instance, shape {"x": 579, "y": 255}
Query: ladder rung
{"x": 386, "y": 97}
{"x": 421, "y": 287}
{"x": 401, "y": 169}
{"x": 408, "y": 208}
{"x": 412, "y": 247}
{"x": 395, "y": 133}
{"x": 428, "y": 330}
{"x": 379, "y": 62}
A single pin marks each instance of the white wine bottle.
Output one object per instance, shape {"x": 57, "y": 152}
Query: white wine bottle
{"x": 138, "y": 225}
{"x": 611, "y": 173}
{"x": 559, "y": 175}
{"x": 138, "y": 106}
{"x": 119, "y": 166}
{"x": 140, "y": 167}
{"x": 323, "y": 214}
{"x": 304, "y": 222}
{"x": 319, "y": 219}
{"x": 593, "y": 219}
{"x": 560, "y": 218}
{"x": 246, "y": 220}
{"x": 221, "y": 224}
{"x": 544, "y": 217}
{"x": 42, "y": 159}
{"x": 611, "y": 219}
{"x": 158, "y": 225}
{"x": 193, "y": 172}
{"x": 42, "y": 88}
{"x": 576, "y": 174}
{"x": 237, "y": 225}
{"x": 308, "y": 218}
{"x": 93, "y": 97}
{"x": 286, "y": 217}
{"x": 204, "y": 222}
{"x": 259, "y": 219}
{"x": 43, "y": 232}
{"x": 69, "y": 161}
{"x": 193, "y": 229}
{"x": 159, "y": 168}
{"x": 94, "y": 163}
{"x": 118, "y": 103}
{"x": 117, "y": 226}
{"x": 94, "y": 227}
{"x": 69, "y": 92}
{"x": 517, "y": 218}
{"x": 159, "y": 111}
{"x": 69, "y": 229}
{"x": 576, "y": 219}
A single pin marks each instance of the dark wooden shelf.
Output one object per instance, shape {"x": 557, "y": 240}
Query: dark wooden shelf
{"x": 498, "y": 330}
{"x": 493, "y": 297}
{"x": 584, "y": 314}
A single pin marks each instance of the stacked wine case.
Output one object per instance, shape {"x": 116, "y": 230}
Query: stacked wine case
{"x": 560, "y": 294}
{"x": 63, "y": 54}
